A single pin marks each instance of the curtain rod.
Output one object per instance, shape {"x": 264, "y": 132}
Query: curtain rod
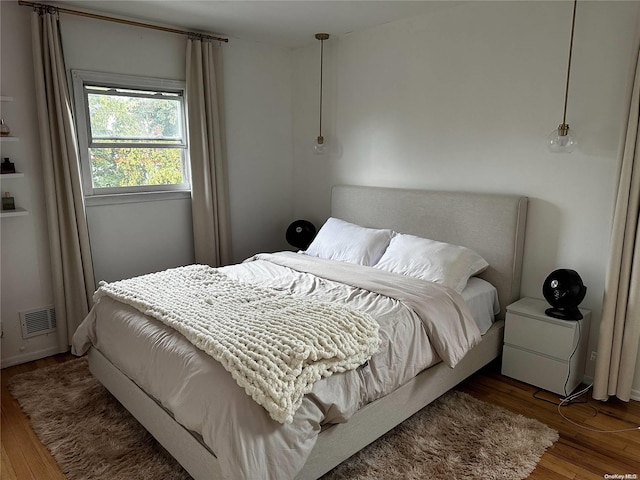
{"x": 120, "y": 20}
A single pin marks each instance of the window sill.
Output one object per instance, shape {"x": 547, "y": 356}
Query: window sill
{"x": 121, "y": 198}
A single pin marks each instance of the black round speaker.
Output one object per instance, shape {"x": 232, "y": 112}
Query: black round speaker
{"x": 564, "y": 291}
{"x": 300, "y": 234}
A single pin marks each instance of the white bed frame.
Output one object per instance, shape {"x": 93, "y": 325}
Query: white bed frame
{"x": 491, "y": 224}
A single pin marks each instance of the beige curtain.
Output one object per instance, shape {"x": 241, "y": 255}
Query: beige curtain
{"x": 620, "y": 324}
{"x": 73, "y": 282}
{"x": 210, "y": 205}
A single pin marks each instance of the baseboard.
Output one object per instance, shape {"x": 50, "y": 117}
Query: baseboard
{"x": 29, "y": 357}
{"x": 635, "y": 392}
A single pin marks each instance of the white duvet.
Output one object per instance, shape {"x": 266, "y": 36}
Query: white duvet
{"x": 205, "y": 399}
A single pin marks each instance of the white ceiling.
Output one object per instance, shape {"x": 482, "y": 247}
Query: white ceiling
{"x": 286, "y": 23}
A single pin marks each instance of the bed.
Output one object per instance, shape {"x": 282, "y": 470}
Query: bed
{"x": 492, "y": 225}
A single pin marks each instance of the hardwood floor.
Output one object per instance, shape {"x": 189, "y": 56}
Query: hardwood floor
{"x": 23, "y": 456}
{"x": 579, "y": 453}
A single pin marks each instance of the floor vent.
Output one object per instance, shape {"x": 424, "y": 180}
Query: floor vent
{"x": 38, "y": 322}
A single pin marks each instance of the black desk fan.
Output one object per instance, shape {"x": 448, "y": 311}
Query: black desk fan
{"x": 564, "y": 291}
{"x": 300, "y": 234}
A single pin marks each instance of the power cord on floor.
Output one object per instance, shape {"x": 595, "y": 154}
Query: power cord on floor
{"x": 567, "y": 401}
{"x": 571, "y": 400}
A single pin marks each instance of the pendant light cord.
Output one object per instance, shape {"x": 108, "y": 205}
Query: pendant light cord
{"x": 566, "y": 91}
{"x": 322, "y": 37}
{"x": 321, "y": 77}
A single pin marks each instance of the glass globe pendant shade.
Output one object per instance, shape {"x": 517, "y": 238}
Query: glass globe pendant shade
{"x": 319, "y": 146}
{"x": 562, "y": 140}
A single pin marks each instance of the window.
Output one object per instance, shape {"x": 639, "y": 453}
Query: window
{"x": 131, "y": 132}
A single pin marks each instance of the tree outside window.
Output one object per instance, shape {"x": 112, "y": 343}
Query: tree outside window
{"x": 132, "y": 139}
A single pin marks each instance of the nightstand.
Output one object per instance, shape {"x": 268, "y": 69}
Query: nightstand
{"x": 539, "y": 349}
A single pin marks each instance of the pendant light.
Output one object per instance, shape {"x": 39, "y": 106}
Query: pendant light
{"x": 563, "y": 140}
{"x": 320, "y": 146}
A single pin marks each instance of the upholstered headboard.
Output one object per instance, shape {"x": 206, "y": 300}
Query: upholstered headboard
{"x": 491, "y": 224}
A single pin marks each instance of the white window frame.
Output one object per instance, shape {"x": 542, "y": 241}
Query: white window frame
{"x": 80, "y": 79}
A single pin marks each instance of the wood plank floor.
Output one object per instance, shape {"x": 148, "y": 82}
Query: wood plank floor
{"x": 579, "y": 454}
{"x": 23, "y": 456}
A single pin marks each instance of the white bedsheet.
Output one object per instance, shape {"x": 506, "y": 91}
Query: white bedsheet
{"x": 205, "y": 399}
{"x": 482, "y": 299}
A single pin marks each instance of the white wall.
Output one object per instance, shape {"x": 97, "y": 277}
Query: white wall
{"x": 135, "y": 238}
{"x": 259, "y": 138}
{"x": 464, "y": 99}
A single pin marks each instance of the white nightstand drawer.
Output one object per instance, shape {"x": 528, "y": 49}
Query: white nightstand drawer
{"x": 555, "y": 338}
{"x": 543, "y": 372}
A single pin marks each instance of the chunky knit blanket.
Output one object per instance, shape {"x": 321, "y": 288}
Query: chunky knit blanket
{"x": 274, "y": 345}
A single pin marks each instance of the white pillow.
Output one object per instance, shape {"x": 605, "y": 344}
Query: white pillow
{"x": 347, "y": 242}
{"x": 438, "y": 262}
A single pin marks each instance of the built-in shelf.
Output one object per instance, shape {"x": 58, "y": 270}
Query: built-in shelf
{"x": 12, "y": 175}
{"x": 18, "y": 212}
